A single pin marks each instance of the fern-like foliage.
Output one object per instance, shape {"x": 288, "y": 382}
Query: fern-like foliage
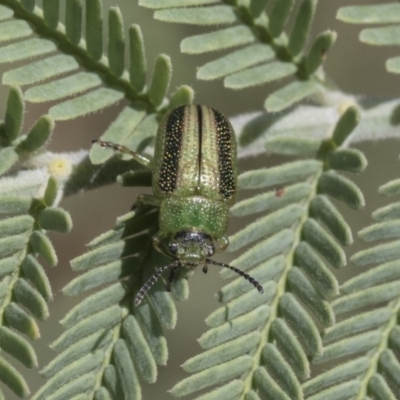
{"x": 94, "y": 79}
{"x": 109, "y": 343}
{"x": 260, "y": 346}
{"x": 372, "y": 336}
{"x": 26, "y": 213}
{"x": 272, "y": 38}
{"x": 69, "y": 67}
{"x": 387, "y": 14}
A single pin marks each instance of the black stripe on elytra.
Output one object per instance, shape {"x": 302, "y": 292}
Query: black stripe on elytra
{"x": 200, "y": 136}
{"x": 172, "y": 150}
{"x": 225, "y": 162}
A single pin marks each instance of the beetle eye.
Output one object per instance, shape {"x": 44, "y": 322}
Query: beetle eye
{"x": 173, "y": 247}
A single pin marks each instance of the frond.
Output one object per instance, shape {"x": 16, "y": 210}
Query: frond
{"x": 263, "y": 343}
{"x": 387, "y": 15}
{"x": 79, "y": 75}
{"x": 370, "y": 337}
{"x": 112, "y": 343}
{"x": 272, "y": 40}
{"x": 311, "y": 123}
{"x": 28, "y": 209}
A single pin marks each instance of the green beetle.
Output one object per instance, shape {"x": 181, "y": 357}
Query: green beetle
{"x": 194, "y": 179}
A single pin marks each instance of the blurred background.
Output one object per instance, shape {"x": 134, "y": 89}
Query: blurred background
{"x": 356, "y": 68}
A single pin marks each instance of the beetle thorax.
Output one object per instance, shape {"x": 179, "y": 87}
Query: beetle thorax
{"x": 191, "y": 248}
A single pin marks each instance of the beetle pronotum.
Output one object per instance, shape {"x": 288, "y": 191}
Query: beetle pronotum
{"x": 194, "y": 179}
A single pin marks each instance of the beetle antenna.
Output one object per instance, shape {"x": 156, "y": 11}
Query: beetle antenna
{"x": 152, "y": 280}
{"x": 246, "y": 276}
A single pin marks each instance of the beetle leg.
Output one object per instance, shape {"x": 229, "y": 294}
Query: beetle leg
{"x": 205, "y": 268}
{"x": 141, "y": 159}
{"x": 148, "y": 199}
{"x": 157, "y": 244}
{"x": 223, "y": 244}
{"x": 171, "y": 278}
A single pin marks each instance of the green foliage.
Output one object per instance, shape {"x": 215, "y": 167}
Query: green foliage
{"x": 388, "y": 13}
{"x": 25, "y": 218}
{"x": 258, "y": 346}
{"x": 296, "y": 242}
{"x": 370, "y": 336}
{"x": 272, "y": 47}
{"x": 106, "y": 332}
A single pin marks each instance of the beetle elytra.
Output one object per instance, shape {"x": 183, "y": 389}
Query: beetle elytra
{"x": 194, "y": 180}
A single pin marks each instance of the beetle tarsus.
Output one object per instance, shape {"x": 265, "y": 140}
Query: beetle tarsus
{"x": 205, "y": 269}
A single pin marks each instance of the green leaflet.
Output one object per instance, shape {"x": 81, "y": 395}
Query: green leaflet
{"x": 349, "y": 346}
{"x": 301, "y": 26}
{"x": 85, "y": 104}
{"x": 213, "y": 15}
{"x": 137, "y": 70}
{"x": 11, "y": 377}
{"x": 11, "y": 30}
{"x": 304, "y": 289}
{"x": 280, "y": 175}
{"x": 385, "y": 36}
{"x": 221, "y": 353}
{"x": 378, "y": 36}
{"x": 235, "y": 61}
{"x": 51, "y": 10}
{"x": 173, "y": 3}
{"x": 214, "y": 375}
{"x": 267, "y": 386}
{"x": 380, "y": 388}
{"x": 126, "y": 371}
{"x": 290, "y": 94}
{"x": 5, "y": 13}
{"x": 18, "y": 347}
{"x": 268, "y": 225}
{"x": 161, "y": 79}
{"x": 20, "y": 320}
{"x": 278, "y": 15}
{"x": 31, "y": 299}
{"x": 222, "y": 39}
{"x": 65, "y": 87}
{"x": 241, "y": 305}
{"x": 360, "y": 323}
{"x": 338, "y": 391}
{"x": 38, "y": 135}
{"x": 40, "y": 70}
{"x": 139, "y": 349}
{"x": 229, "y": 391}
{"x": 281, "y": 369}
{"x": 73, "y": 20}
{"x": 14, "y": 114}
{"x": 258, "y": 75}
{"x": 335, "y": 375}
{"x": 116, "y": 41}
{"x": 393, "y": 65}
{"x": 94, "y": 25}
{"x": 322, "y": 44}
{"x": 93, "y": 342}
{"x": 27, "y": 49}
{"x": 370, "y": 14}
{"x": 291, "y": 348}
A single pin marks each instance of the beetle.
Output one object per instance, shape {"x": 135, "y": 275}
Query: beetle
{"x": 194, "y": 180}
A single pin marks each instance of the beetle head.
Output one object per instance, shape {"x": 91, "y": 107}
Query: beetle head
{"x": 191, "y": 247}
